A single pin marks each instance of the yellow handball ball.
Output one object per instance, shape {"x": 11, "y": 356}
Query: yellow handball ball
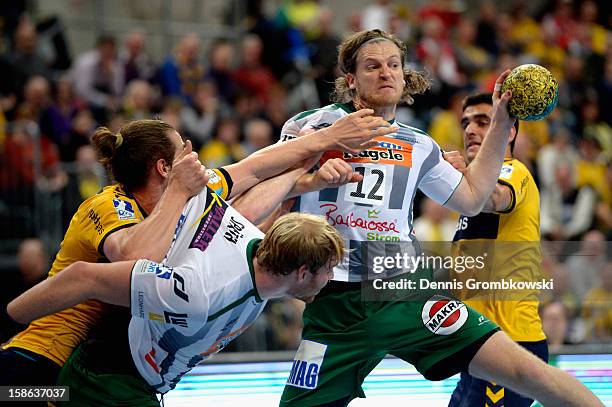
{"x": 535, "y": 92}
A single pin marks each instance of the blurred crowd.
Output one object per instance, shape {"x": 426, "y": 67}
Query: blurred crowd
{"x": 232, "y": 98}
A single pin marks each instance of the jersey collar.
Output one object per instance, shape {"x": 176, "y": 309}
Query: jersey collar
{"x": 350, "y": 108}
{"x": 251, "y": 250}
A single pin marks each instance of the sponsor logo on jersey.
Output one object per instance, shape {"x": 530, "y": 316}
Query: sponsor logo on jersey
{"x": 388, "y": 151}
{"x": 506, "y": 171}
{"x": 375, "y": 155}
{"x": 155, "y": 317}
{"x": 444, "y": 316}
{"x": 286, "y": 137}
{"x": 307, "y": 365}
{"x": 125, "y": 210}
{"x": 233, "y": 232}
{"x": 95, "y": 219}
{"x": 384, "y": 238}
{"x": 176, "y": 319}
{"x": 140, "y": 304}
{"x": 179, "y": 226}
{"x": 321, "y": 126}
{"x": 160, "y": 270}
{"x": 210, "y": 222}
{"x": 373, "y": 214}
{"x": 356, "y": 222}
{"x": 150, "y": 359}
{"x": 179, "y": 287}
{"x": 215, "y": 182}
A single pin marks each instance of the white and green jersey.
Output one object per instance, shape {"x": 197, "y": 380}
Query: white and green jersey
{"x": 200, "y": 298}
{"x": 380, "y": 207}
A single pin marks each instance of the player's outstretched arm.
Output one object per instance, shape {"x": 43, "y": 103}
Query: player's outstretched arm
{"x": 503, "y": 361}
{"x": 480, "y": 177}
{"x": 352, "y": 133}
{"x": 81, "y": 281}
{"x": 261, "y": 200}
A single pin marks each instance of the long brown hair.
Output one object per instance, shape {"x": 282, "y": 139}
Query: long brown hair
{"x": 129, "y": 154}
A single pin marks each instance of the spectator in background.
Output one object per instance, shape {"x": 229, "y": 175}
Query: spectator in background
{"x": 590, "y": 167}
{"x": 32, "y": 266}
{"x": 220, "y": 58}
{"x": 276, "y": 111}
{"x": 86, "y": 178}
{"x": 377, "y": 15}
{"x": 82, "y": 127}
{"x": 524, "y": 28}
{"x": 322, "y": 56}
{"x": 560, "y": 150}
{"x": 584, "y": 267}
{"x": 597, "y": 308}
{"x": 200, "y": 119}
{"x": 472, "y": 60}
{"x": 445, "y": 126}
{"x": 25, "y": 153}
{"x": 99, "y": 78}
{"x": 486, "y": 36}
{"x": 436, "y": 224}
{"x": 560, "y": 24}
{"x": 225, "y": 147}
{"x": 257, "y": 135}
{"x": 180, "y": 73}
{"x": 171, "y": 112}
{"x": 567, "y": 211}
{"x": 36, "y": 98}
{"x": 251, "y": 75}
{"x": 56, "y": 119}
{"x": 25, "y": 57}
{"x": 138, "y": 100}
{"x": 133, "y": 57}
{"x": 436, "y": 52}
{"x": 555, "y": 323}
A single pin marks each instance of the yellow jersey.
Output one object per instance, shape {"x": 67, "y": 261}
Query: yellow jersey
{"x": 55, "y": 336}
{"x": 511, "y": 239}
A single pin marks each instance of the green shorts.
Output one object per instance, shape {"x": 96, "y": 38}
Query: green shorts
{"x": 87, "y": 388}
{"x": 344, "y": 338}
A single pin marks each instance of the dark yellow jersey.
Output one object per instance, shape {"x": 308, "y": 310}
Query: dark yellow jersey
{"x": 511, "y": 239}
{"x": 55, "y": 336}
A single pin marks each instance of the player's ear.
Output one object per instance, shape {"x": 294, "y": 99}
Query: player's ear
{"x": 350, "y": 80}
{"x": 162, "y": 168}
{"x": 301, "y": 273}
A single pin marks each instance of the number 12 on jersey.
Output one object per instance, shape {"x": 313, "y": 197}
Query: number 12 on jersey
{"x": 370, "y": 190}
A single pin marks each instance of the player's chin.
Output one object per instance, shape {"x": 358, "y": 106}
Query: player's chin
{"x": 307, "y": 300}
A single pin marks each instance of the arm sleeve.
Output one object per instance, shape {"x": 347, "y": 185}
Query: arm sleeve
{"x": 515, "y": 178}
{"x": 170, "y": 295}
{"x": 439, "y": 179}
{"x": 110, "y": 215}
{"x": 220, "y": 182}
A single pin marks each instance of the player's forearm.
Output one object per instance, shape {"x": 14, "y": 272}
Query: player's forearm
{"x": 306, "y": 183}
{"x": 275, "y": 159}
{"x": 64, "y": 290}
{"x": 151, "y": 238}
{"x": 558, "y": 388}
{"x": 258, "y": 202}
{"x": 480, "y": 177}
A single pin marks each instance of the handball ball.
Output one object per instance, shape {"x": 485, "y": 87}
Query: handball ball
{"x": 534, "y": 92}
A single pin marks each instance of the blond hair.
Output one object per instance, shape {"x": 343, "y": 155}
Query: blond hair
{"x": 416, "y": 82}
{"x": 299, "y": 239}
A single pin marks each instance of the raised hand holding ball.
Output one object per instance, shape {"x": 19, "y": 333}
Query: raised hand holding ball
{"x": 535, "y": 92}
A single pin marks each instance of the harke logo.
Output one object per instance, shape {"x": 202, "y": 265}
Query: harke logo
{"x": 444, "y": 316}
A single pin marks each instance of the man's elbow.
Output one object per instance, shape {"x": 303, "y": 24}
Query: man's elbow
{"x": 472, "y": 210}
